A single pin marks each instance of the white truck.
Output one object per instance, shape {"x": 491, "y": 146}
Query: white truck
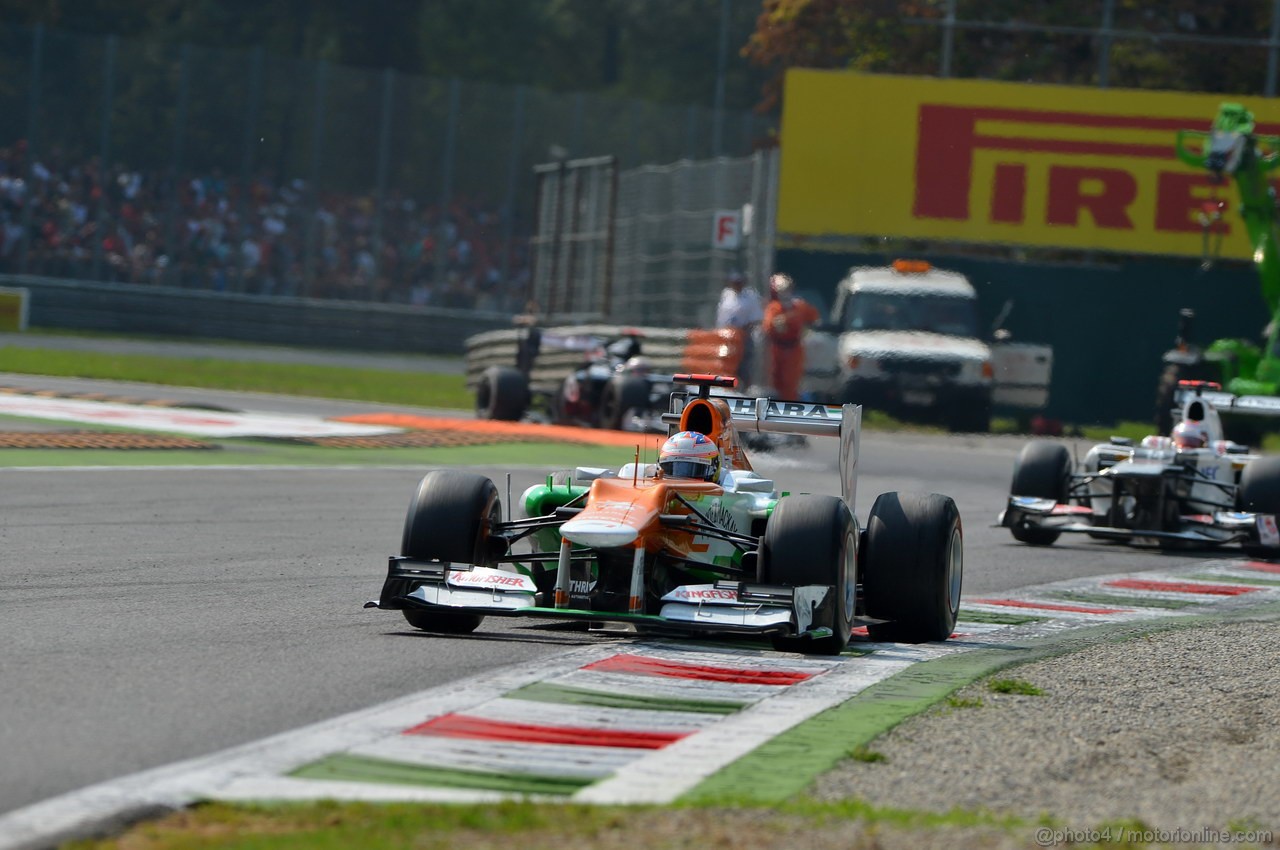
{"x": 905, "y": 339}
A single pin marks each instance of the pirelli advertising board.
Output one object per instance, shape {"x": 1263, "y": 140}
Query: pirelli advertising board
{"x": 1009, "y": 163}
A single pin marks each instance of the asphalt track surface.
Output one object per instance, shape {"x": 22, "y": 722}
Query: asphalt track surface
{"x": 156, "y": 615}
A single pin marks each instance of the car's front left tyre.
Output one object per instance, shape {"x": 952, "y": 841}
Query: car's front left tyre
{"x": 1260, "y": 493}
{"x": 913, "y": 567}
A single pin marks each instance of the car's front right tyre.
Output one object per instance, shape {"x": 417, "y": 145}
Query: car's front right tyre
{"x": 813, "y": 539}
{"x": 450, "y": 519}
{"x": 1041, "y": 471}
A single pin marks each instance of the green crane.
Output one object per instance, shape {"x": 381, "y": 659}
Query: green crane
{"x": 1231, "y": 150}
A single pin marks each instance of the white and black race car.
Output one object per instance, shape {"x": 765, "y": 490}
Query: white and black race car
{"x": 1157, "y": 492}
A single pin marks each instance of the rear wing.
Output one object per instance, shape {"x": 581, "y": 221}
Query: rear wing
{"x": 772, "y": 416}
{"x": 1225, "y": 402}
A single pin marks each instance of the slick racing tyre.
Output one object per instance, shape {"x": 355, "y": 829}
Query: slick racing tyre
{"x": 622, "y": 394}
{"x": 450, "y": 519}
{"x": 813, "y": 539}
{"x": 1043, "y": 471}
{"x": 1260, "y": 493}
{"x": 970, "y": 415}
{"x": 913, "y": 567}
{"x": 502, "y": 393}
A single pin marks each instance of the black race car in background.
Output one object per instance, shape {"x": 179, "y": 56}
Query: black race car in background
{"x": 611, "y": 387}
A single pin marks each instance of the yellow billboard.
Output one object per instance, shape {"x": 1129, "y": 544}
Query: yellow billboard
{"x": 13, "y": 308}
{"x": 1008, "y": 163}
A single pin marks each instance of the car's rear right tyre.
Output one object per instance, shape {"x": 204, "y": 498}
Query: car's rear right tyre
{"x": 913, "y": 567}
{"x": 1042, "y": 471}
{"x": 450, "y": 518}
{"x": 813, "y": 539}
{"x": 502, "y": 393}
{"x": 623, "y": 393}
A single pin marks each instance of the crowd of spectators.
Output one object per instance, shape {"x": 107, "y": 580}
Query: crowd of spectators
{"x": 269, "y": 237}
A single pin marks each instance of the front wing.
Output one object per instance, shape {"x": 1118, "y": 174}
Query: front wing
{"x": 724, "y": 607}
{"x": 1219, "y": 528}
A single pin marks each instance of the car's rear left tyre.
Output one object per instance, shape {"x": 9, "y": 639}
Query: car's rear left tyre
{"x": 970, "y": 415}
{"x": 502, "y": 393}
{"x": 623, "y": 393}
{"x": 1042, "y": 471}
{"x": 813, "y": 539}
{"x": 913, "y": 567}
{"x": 451, "y": 518}
{"x": 1260, "y": 493}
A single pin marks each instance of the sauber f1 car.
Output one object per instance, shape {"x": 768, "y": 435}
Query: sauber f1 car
{"x": 1193, "y": 488}
{"x": 672, "y": 554}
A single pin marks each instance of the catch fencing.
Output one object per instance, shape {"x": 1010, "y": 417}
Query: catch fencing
{"x": 367, "y": 181}
{"x": 642, "y": 246}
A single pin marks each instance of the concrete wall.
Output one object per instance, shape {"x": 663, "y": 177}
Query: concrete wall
{"x": 130, "y": 308}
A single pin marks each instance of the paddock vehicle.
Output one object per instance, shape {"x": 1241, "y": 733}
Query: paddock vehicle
{"x": 905, "y": 338}
{"x": 613, "y": 386}
{"x": 1157, "y": 492}
{"x": 668, "y": 554}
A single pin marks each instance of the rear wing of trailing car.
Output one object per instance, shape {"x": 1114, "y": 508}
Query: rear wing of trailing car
{"x": 773, "y": 416}
{"x": 1224, "y": 402}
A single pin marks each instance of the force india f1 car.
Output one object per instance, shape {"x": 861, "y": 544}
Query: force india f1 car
{"x": 1158, "y": 492}
{"x": 682, "y": 555}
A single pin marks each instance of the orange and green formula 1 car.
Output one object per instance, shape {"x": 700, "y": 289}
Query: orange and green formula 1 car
{"x": 671, "y": 554}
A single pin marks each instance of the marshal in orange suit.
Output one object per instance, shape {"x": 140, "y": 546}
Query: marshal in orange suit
{"x": 785, "y": 318}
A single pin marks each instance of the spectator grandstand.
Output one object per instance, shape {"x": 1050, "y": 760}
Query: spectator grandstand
{"x": 205, "y": 231}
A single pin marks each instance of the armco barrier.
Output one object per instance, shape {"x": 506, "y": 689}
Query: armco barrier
{"x": 668, "y": 350}
{"x": 166, "y": 311}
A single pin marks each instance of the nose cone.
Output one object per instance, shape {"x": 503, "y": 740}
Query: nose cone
{"x": 598, "y": 533}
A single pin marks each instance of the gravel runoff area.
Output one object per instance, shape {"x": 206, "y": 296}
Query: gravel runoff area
{"x": 1178, "y": 730}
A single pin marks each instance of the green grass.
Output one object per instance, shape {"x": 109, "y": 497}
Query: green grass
{"x": 867, "y": 755}
{"x": 1101, "y": 433}
{"x": 262, "y": 453}
{"x": 964, "y": 702}
{"x": 533, "y": 826}
{"x": 1014, "y": 686}
{"x": 416, "y": 389}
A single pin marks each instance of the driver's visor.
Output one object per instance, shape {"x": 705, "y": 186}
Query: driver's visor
{"x": 686, "y": 468}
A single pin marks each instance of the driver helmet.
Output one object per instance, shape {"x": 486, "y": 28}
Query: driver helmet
{"x": 688, "y": 454}
{"x": 1190, "y": 434}
{"x": 638, "y": 365}
{"x": 782, "y": 286}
